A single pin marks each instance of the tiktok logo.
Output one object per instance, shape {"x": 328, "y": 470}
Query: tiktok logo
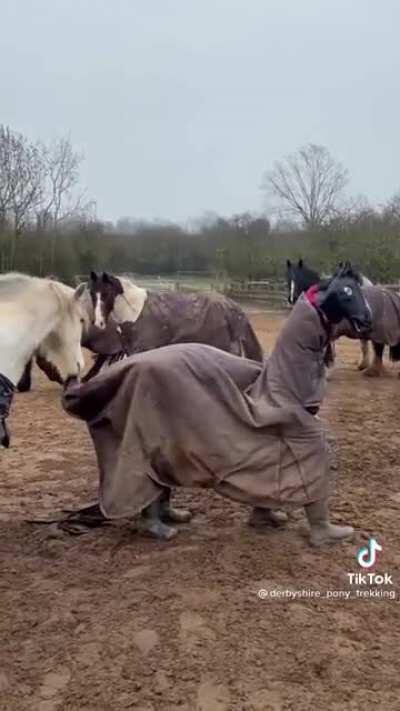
{"x": 366, "y": 556}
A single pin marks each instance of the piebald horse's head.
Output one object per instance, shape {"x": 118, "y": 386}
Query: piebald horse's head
{"x": 104, "y": 289}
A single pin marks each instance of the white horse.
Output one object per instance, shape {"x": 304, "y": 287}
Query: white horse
{"x": 42, "y": 317}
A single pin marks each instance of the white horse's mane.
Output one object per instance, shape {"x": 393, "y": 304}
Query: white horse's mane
{"x": 12, "y": 283}
{"x": 17, "y": 287}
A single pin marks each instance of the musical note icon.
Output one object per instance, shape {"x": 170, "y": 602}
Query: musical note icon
{"x": 366, "y": 556}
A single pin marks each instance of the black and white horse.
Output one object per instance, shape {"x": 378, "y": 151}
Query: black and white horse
{"x": 300, "y": 278}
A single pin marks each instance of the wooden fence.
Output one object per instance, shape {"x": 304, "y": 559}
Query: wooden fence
{"x": 273, "y": 293}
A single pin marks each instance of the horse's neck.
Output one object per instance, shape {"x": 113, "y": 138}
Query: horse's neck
{"x": 365, "y": 281}
{"x": 128, "y": 306}
{"x": 22, "y": 328}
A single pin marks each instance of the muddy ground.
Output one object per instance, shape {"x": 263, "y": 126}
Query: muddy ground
{"x": 111, "y": 621}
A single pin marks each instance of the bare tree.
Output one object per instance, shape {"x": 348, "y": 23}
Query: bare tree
{"x": 61, "y": 176}
{"x": 391, "y": 210}
{"x": 307, "y": 185}
{"x": 20, "y": 185}
{"x": 60, "y": 202}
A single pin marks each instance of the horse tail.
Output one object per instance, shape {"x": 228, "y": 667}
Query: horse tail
{"x": 394, "y": 353}
{"x": 25, "y": 383}
{"x": 251, "y": 346}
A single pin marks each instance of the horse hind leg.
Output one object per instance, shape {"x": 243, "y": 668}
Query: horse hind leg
{"x": 376, "y": 369}
{"x": 151, "y": 523}
{"x": 261, "y": 518}
{"x": 364, "y": 362}
{"x": 169, "y": 514}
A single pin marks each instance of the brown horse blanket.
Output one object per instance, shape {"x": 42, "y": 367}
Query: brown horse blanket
{"x": 191, "y": 415}
{"x": 173, "y": 317}
{"x": 385, "y": 313}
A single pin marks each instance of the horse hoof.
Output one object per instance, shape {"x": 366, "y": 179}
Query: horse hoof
{"x": 362, "y": 366}
{"x": 157, "y": 529}
{"x": 372, "y": 372}
{"x": 260, "y": 518}
{"x": 176, "y": 515}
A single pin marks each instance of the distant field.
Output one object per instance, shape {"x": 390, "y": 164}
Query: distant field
{"x": 163, "y": 281}
{"x": 256, "y": 301}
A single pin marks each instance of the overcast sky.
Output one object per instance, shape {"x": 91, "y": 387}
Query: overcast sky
{"x": 180, "y": 105}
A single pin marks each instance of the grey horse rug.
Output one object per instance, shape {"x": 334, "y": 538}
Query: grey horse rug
{"x": 191, "y": 415}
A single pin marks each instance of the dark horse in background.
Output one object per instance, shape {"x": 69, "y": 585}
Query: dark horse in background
{"x": 300, "y": 277}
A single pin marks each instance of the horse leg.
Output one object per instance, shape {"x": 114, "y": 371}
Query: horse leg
{"x": 322, "y": 530}
{"x": 150, "y": 522}
{"x": 376, "y": 369}
{"x": 96, "y": 367}
{"x": 25, "y": 382}
{"x": 6, "y": 396}
{"x": 260, "y": 518}
{"x": 168, "y": 513}
{"x": 364, "y": 363}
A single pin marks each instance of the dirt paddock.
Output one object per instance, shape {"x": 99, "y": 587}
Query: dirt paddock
{"x": 109, "y": 621}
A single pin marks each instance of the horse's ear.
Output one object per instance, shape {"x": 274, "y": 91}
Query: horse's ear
{"x": 113, "y": 281}
{"x": 300, "y": 264}
{"x": 80, "y": 290}
{"x": 93, "y": 276}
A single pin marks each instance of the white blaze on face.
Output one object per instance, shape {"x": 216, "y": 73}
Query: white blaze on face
{"x": 98, "y": 312}
{"x": 291, "y": 292}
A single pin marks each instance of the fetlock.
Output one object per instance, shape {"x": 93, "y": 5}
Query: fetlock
{"x": 169, "y": 513}
{"x": 150, "y": 523}
{"x": 322, "y": 530}
{"x": 155, "y": 528}
{"x": 261, "y": 517}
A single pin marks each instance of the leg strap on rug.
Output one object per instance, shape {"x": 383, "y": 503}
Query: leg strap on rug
{"x": 75, "y": 522}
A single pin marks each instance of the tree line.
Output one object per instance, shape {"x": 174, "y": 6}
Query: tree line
{"x": 49, "y": 226}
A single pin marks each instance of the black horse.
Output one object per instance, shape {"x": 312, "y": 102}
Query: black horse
{"x": 300, "y": 277}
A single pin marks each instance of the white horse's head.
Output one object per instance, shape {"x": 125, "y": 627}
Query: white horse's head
{"x": 60, "y": 353}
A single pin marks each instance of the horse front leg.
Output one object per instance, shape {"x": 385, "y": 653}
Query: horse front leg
{"x": 364, "y": 363}
{"x": 6, "y": 396}
{"x": 25, "y": 383}
{"x": 151, "y": 523}
{"x": 376, "y": 369}
{"x": 168, "y": 513}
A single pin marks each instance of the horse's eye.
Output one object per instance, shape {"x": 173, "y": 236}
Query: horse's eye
{"x": 82, "y": 321}
{"x": 348, "y": 290}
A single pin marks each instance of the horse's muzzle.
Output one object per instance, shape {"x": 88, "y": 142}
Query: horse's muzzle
{"x": 71, "y": 380}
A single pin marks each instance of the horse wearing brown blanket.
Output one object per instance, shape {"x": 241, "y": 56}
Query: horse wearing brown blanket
{"x": 191, "y": 415}
{"x": 150, "y": 319}
{"x": 385, "y": 327}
